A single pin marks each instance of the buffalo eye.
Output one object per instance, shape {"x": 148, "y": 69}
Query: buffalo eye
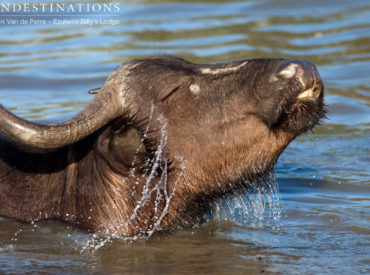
{"x": 169, "y": 86}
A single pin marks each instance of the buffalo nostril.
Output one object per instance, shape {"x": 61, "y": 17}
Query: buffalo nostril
{"x": 306, "y": 73}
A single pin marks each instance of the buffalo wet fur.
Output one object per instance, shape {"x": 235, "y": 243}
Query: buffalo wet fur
{"x": 161, "y": 140}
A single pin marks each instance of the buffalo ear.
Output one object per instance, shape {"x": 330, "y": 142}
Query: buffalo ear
{"x": 127, "y": 147}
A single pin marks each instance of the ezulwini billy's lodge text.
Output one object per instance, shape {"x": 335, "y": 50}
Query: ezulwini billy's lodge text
{"x": 55, "y": 21}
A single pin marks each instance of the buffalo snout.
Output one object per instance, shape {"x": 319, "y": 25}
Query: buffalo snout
{"x": 307, "y": 75}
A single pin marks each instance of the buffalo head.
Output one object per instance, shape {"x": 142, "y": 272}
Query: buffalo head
{"x": 158, "y": 143}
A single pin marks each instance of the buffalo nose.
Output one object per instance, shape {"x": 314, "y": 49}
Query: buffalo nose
{"x": 306, "y": 73}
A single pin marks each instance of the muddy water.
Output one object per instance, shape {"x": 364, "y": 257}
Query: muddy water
{"x": 318, "y": 223}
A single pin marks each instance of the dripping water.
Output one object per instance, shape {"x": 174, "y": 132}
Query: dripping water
{"x": 90, "y": 243}
{"x": 256, "y": 205}
{"x": 160, "y": 190}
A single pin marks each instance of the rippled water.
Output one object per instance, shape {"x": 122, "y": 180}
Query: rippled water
{"x": 324, "y": 178}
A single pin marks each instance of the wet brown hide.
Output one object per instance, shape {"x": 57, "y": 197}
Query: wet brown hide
{"x": 174, "y": 137}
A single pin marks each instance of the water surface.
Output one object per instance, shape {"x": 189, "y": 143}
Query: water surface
{"x": 321, "y": 219}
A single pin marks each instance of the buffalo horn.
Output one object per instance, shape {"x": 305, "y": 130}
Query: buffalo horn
{"x": 106, "y": 106}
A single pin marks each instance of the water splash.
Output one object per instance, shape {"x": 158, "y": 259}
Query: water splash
{"x": 158, "y": 190}
{"x": 145, "y": 134}
{"x": 257, "y": 205}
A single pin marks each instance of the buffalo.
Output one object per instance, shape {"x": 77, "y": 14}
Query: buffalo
{"x": 159, "y": 142}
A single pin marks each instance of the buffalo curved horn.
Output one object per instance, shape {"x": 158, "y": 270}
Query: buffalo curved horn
{"x": 107, "y": 105}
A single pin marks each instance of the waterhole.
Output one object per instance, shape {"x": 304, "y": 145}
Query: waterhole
{"x": 318, "y": 222}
